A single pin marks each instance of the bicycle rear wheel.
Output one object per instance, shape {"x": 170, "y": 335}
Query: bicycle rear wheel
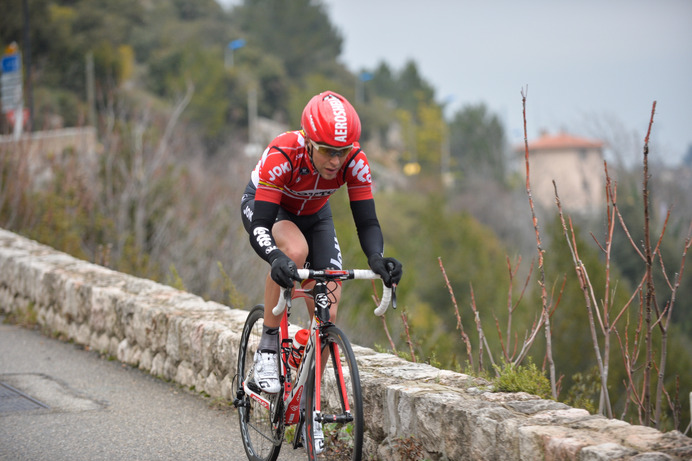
{"x": 261, "y": 428}
{"x": 342, "y": 427}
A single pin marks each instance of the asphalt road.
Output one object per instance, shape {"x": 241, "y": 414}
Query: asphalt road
{"x": 103, "y": 410}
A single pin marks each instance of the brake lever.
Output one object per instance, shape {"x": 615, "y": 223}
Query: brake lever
{"x": 288, "y": 297}
{"x": 393, "y": 295}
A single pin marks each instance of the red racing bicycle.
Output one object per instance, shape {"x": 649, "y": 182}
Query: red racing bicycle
{"x": 324, "y": 389}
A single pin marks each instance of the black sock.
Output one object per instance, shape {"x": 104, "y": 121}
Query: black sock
{"x": 270, "y": 340}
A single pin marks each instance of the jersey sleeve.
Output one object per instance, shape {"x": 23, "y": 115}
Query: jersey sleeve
{"x": 359, "y": 183}
{"x": 273, "y": 171}
{"x": 261, "y": 237}
{"x": 270, "y": 176}
{"x": 368, "y": 227}
{"x": 358, "y": 178}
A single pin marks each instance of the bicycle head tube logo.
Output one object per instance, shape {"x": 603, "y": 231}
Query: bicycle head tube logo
{"x": 321, "y": 301}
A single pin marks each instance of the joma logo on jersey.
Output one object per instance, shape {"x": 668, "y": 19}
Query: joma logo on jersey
{"x": 360, "y": 170}
{"x": 279, "y": 170}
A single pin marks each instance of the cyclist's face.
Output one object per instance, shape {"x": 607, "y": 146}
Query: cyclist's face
{"x": 328, "y": 161}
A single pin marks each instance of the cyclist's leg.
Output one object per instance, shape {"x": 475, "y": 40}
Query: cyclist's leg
{"x": 325, "y": 253}
{"x": 292, "y": 242}
{"x": 290, "y": 239}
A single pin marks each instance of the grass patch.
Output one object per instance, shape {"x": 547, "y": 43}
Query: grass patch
{"x": 26, "y": 317}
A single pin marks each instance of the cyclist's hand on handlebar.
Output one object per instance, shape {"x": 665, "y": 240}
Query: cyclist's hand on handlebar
{"x": 284, "y": 271}
{"x": 388, "y": 268}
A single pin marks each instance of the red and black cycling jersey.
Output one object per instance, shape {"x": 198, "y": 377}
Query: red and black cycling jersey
{"x": 286, "y": 178}
{"x": 285, "y": 175}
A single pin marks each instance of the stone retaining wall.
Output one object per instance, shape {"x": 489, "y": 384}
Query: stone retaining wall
{"x": 411, "y": 408}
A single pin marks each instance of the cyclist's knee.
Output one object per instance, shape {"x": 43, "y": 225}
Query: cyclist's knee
{"x": 291, "y": 241}
{"x": 297, "y": 253}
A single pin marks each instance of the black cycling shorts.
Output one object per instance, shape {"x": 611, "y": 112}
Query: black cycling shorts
{"x": 323, "y": 246}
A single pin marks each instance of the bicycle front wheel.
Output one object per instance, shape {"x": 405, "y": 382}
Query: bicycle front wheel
{"x": 261, "y": 428}
{"x": 341, "y": 401}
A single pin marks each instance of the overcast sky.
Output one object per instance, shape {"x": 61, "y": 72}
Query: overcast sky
{"x": 606, "y": 59}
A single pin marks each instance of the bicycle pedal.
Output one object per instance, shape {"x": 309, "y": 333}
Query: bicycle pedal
{"x": 254, "y": 387}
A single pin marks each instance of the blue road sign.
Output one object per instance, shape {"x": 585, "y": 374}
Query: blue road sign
{"x": 235, "y": 44}
{"x": 10, "y": 63}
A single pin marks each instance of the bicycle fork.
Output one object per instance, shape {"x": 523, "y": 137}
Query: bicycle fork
{"x": 333, "y": 350}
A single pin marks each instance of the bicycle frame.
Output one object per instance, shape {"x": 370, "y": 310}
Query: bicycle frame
{"x": 292, "y": 391}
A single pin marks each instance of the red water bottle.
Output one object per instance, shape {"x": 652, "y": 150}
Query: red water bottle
{"x": 299, "y": 342}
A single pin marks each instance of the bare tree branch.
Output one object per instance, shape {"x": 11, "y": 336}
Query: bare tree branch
{"x": 539, "y": 247}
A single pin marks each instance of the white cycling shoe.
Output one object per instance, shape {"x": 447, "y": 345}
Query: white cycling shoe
{"x": 267, "y": 372}
{"x": 318, "y": 436}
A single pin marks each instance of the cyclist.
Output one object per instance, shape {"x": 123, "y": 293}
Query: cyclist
{"x": 286, "y": 211}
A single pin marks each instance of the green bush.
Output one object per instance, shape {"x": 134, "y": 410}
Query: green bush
{"x": 519, "y": 378}
{"x": 585, "y": 391}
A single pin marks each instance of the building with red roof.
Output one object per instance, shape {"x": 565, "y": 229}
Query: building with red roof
{"x": 576, "y": 166}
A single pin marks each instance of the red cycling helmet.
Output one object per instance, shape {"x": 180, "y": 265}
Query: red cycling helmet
{"x": 328, "y": 118}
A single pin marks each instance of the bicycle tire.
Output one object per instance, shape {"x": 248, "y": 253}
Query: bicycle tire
{"x": 343, "y": 441}
{"x": 261, "y": 437}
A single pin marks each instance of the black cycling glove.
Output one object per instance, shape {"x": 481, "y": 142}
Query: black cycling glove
{"x": 283, "y": 271}
{"x": 388, "y": 268}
